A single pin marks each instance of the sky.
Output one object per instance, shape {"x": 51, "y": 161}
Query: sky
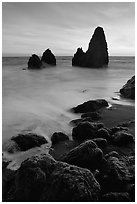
{"x": 32, "y": 27}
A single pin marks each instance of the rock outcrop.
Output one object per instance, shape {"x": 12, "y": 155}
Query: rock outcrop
{"x": 48, "y": 57}
{"x": 23, "y": 142}
{"x": 86, "y": 155}
{"x": 97, "y": 53}
{"x": 34, "y": 62}
{"x": 42, "y": 179}
{"x": 128, "y": 90}
{"x": 90, "y": 106}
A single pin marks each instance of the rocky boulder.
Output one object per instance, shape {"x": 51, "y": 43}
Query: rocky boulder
{"x": 42, "y": 179}
{"x": 34, "y": 62}
{"x": 58, "y": 137}
{"x": 128, "y": 90}
{"x": 97, "y": 53}
{"x": 86, "y": 155}
{"x": 28, "y": 141}
{"x": 101, "y": 142}
{"x": 122, "y": 138}
{"x": 90, "y": 106}
{"x": 48, "y": 57}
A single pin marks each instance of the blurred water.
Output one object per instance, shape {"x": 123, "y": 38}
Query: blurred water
{"x": 39, "y": 100}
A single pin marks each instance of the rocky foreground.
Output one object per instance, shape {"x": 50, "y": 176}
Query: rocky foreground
{"x": 97, "y": 165}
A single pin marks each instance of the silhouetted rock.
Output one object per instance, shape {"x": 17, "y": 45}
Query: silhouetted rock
{"x": 86, "y": 155}
{"x": 101, "y": 142}
{"x": 97, "y": 53}
{"x": 131, "y": 192}
{"x": 90, "y": 106}
{"x": 28, "y": 141}
{"x": 92, "y": 115}
{"x": 48, "y": 57}
{"x": 122, "y": 138}
{"x": 115, "y": 197}
{"x": 117, "y": 129}
{"x": 42, "y": 179}
{"x": 128, "y": 90}
{"x": 34, "y": 62}
{"x": 75, "y": 122}
{"x": 58, "y": 136}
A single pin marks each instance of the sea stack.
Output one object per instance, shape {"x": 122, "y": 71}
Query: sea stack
{"x": 97, "y": 54}
{"x": 48, "y": 57}
{"x": 34, "y": 62}
{"x": 128, "y": 90}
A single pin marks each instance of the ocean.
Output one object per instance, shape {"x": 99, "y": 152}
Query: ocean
{"x": 40, "y": 100}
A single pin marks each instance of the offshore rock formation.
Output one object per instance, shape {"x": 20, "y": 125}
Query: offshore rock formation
{"x": 34, "y": 62}
{"x": 128, "y": 90}
{"x": 97, "y": 53}
{"x": 48, "y": 57}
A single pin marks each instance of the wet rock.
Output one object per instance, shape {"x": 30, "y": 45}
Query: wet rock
{"x": 90, "y": 106}
{"x": 103, "y": 133}
{"x": 116, "y": 197}
{"x": 86, "y": 155}
{"x": 31, "y": 178}
{"x": 42, "y": 179}
{"x": 34, "y": 62}
{"x": 28, "y": 141}
{"x": 83, "y": 131}
{"x": 128, "y": 90}
{"x": 71, "y": 184}
{"x": 58, "y": 136}
{"x": 122, "y": 138}
{"x": 48, "y": 57}
{"x": 97, "y": 53}
{"x": 101, "y": 143}
{"x": 92, "y": 115}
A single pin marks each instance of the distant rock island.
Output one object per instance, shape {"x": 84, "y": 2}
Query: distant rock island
{"x": 97, "y": 54}
{"x": 47, "y": 57}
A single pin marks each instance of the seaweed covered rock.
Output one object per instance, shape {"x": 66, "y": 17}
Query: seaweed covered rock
{"x": 90, "y": 106}
{"x": 86, "y": 155}
{"x": 42, "y": 179}
{"x": 34, "y": 62}
{"x": 58, "y": 136}
{"x": 97, "y": 53}
{"x": 48, "y": 57}
{"x": 122, "y": 138}
{"x": 28, "y": 141}
{"x": 116, "y": 197}
{"x": 128, "y": 90}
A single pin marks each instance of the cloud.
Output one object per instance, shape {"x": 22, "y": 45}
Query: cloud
{"x": 63, "y": 27}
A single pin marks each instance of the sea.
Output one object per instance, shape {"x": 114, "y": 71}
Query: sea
{"x": 40, "y": 100}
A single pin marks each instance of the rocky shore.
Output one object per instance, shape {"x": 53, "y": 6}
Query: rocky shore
{"x": 97, "y": 163}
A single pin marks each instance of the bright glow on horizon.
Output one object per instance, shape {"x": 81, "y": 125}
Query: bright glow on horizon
{"x": 31, "y": 27}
